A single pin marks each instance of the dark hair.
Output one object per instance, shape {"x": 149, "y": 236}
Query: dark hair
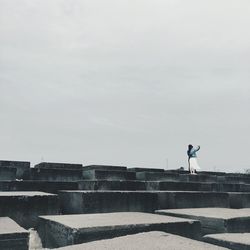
{"x": 189, "y": 149}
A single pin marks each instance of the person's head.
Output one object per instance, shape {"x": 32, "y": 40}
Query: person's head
{"x": 190, "y": 147}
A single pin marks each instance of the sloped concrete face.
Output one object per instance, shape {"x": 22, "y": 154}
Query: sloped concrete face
{"x": 22, "y": 168}
{"x": 7, "y": 173}
{"x": 215, "y": 220}
{"x": 108, "y": 175}
{"x": 235, "y": 241}
{"x": 12, "y": 236}
{"x": 73, "y": 229}
{"x": 104, "y": 167}
{"x": 55, "y": 165}
{"x": 146, "y": 241}
{"x": 25, "y": 207}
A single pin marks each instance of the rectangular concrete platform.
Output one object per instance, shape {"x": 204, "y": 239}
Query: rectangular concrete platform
{"x": 107, "y": 201}
{"x": 12, "y": 236}
{"x": 215, "y": 220}
{"x": 56, "y": 165}
{"x": 145, "y": 241}
{"x": 7, "y": 173}
{"x": 235, "y": 241}
{"x": 105, "y": 167}
{"x": 22, "y": 167}
{"x": 25, "y": 207}
{"x": 108, "y": 175}
{"x": 74, "y": 229}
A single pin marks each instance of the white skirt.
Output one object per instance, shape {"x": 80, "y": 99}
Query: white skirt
{"x": 193, "y": 164}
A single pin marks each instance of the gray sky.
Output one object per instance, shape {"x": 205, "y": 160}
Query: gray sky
{"x": 125, "y": 82}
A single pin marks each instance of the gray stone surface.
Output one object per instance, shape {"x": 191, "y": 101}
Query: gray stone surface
{"x": 145, "y": 241}
{"x": 25, "y": 207}
{"x": 243, "y": 179}
{"x": 146, "y": 169}
{"x": 239, "y": 200}
{"x": 215, "y": 220}
{"x": 108, "y": 175}
{"x": 107, "y": 201}
{"x": 105, "y": 167}
{"x": 56, "y": 165}
{"x": 12, "y": 236}
{"x": 158, "y": 176}
{"x": 7, "y": 173}
{"x": 22, "y": 167}
{"x": 73, "y": 229}
{"x": 235, "y": 241}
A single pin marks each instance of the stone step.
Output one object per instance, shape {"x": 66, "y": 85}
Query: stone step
{"x": 81, "y": 201}
{"x": 12, "y": 236}
{"x": 215, "y": 220}
{"x": 108, "y": 175}
{"x": 56, "y": 165}
{"x": 146, "y": 169}
{"x": 74, "y": 229}
{"x": 105, "y": 167}
{"x": 25, "y": 207}
{"x": 235, "y": 241}
{"x": 22, "y": 167}
{"x": 145, "y": 241}
{"x": 45, "y": 186}
{"x": 234, "y": 179}
{"x": 7, "y": 173}
{"x": 54, "y": 174}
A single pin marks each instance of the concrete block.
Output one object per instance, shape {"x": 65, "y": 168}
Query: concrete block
{"x": 111, "y": 185}
{"x": 105, "y": 167}
{"x": 146, "y": 241}
{"x": 22, "y": 167}
{"x": 239, "y": 200}
{"x": 191, "y": 199}
{"x": 74, "y": 229}
{"x": 56, "y": 165}
{"x": 215, "y": 220}
{"x": 160, "y": 176}
{"x": 108, "y": 175}
{"x": 201, "y": 178}
{"x": 12, "y": 236}
{"x": 55, "y": 174}
{"x": 146, "y": 169}
{"x": 107, "y": 201}
{"x": 7, "y": 173}
{"x": 234, "y": 179}
{"x": 235, "y": 241}
{"x": 25, "y": 207}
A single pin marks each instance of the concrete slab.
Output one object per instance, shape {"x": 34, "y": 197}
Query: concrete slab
{"x": 146, "y": 241}
{"x": 239, "y": 200}
{"x": 80, "y": 201}
{"x": 105, "y": 167}
{"x": 215, "y": 220}
{"x": 235, "y": 241}
{"x": 146, "y": 169}
{"x": 111, "y": 185}
{"x": 55, "y": 174}
{"x": 12, "y": 236}
{"x": 7, "y": 173}
{"x": 25, "y": 207}
{"x": 56, "y": 165}
{"x": 74, "y": 229}
{"x": 234, "y": 179}
{"x": 108, "y": 175}
{"x": 22, "y": 167}
{"x": 158, "y": 176}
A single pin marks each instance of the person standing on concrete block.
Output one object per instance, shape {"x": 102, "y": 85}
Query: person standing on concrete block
{"x": 192, "y": 159}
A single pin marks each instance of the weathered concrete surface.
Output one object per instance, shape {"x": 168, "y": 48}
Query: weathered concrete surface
{"x": 55, "y": 174}
{"x": 108, "y": 175}
{"x": 215, "y": 220}
{"x": 245, "y": 179}
{"x": 105, "y": 167}
{"x": 74, "y": 229}
{"x": 45, "y": 186}
{"x": 56, "y": 165}
{"x": 158, "y": 176}
{"x": 107, "y": 201}
{"x": 145, "y": 241}
{"x": 235, "y": 241}
{"x": 7, "y": 173}
{"x": 25, "y": 207}
{"x": 111, "y": 185}
{"x": 239, "y": 200}
{"x": 22, "y": 167}
{"x": 191, "y": 199}
{"x": 146, "y": 169}
{"x": 12, "y": 236}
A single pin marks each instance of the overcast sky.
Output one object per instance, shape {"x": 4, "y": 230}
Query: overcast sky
{"x": 125, "y": 82}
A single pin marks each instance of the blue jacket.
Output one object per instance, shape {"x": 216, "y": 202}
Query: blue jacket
{"x": 192, "y": 152}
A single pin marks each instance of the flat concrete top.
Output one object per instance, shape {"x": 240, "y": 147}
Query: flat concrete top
{"x": 82, "y": 221}
{"x": 146, "y": 241}
{"x": 242, "y": 238}
{"x": 8, "y": 226}
{"x": 213, "y": 212}
{"x": 25, "y": 193}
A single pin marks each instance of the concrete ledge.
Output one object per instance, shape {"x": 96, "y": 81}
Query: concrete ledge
{"x": 146, "y": 169}
{"x": 74, "y": 229}
{"x": 108, "y": 175}
{"x": 73, "y": 202}
{"x": 104, "y": 167}
{"x": 239, "y": 200}
{"x": 7, "y": 173}
{"x": 56, "y": 165}
{"x": 25, "y": 207}
{"x": 235, "y": 241}
{"x": 12, "y": 236}
{"x": 22, "y": 167}
{"x": 215, "y": 220}
{"x": 145, "y": 241}
{"x": 158, "y": 176}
